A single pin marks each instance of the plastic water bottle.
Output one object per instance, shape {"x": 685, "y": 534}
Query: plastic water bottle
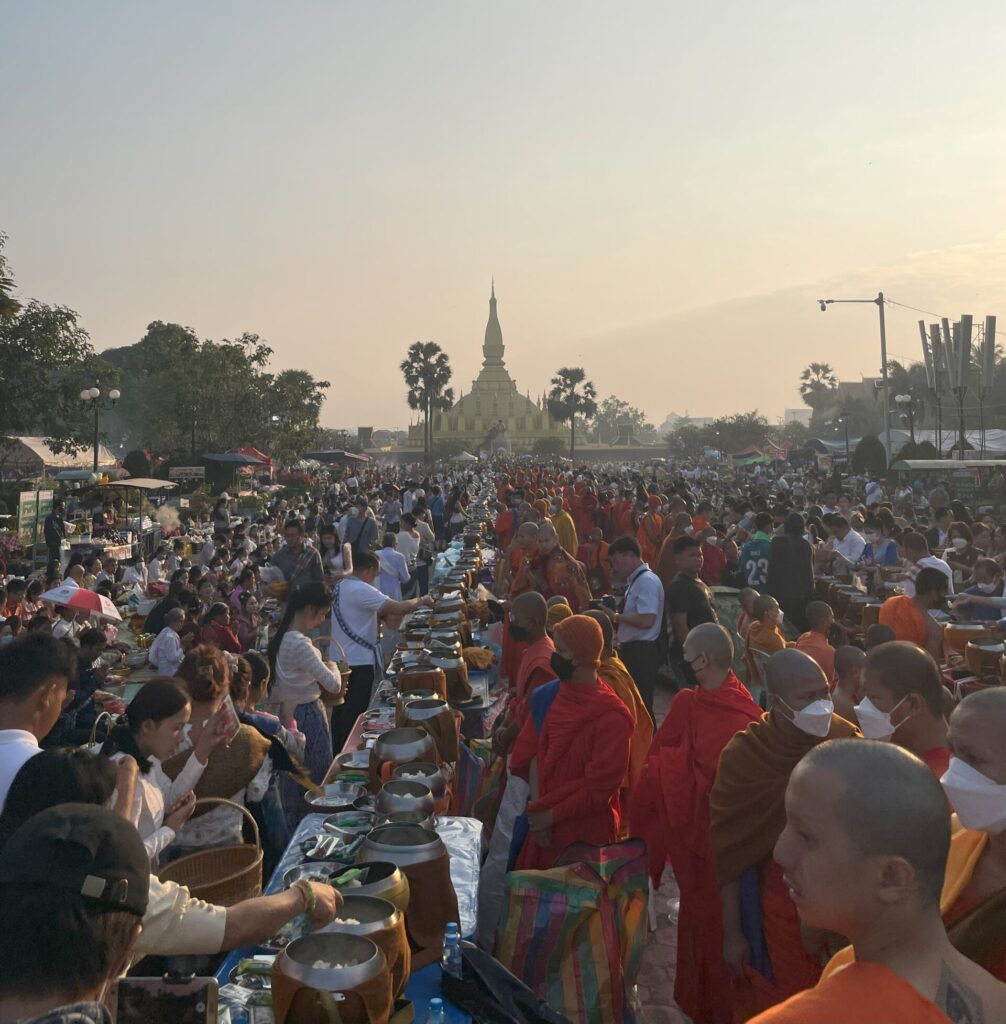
{"x": 436, "y": 1014}
{"x": 450, "y": 961}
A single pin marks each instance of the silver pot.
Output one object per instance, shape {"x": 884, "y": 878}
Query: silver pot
{"x": 420, "y": 710}
{"x": 401, "y": 845}
{"x": 431, "y": 774}
{"x": 448, "y": 664}
{"x": 297, "y": 961}
{"x": 405, "y": 795}
{"x": 401, "y": 745}
{"x": 407, "y": 818}
{"x": 373, "y": 913}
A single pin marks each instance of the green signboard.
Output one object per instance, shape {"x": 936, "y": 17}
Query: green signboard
{"x": 32, "y": 509}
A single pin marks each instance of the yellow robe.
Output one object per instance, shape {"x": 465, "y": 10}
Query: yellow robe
{"x": 565, "y": 530}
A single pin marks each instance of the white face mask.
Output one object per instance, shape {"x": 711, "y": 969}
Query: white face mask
{"x": 713, "y": 541}
{"x": 959, "y": 543}
{"x": 780, "y": 616}
{"x": 989, "y": 588}
{"x": 876, "y": 724}
{"x": 979, "y": 802}
{"x": 814, "y": 719}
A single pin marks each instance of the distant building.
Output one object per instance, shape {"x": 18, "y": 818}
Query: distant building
{"x": 494, "y": 415}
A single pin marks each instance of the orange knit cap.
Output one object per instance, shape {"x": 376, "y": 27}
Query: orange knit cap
{"x": 583, "y": 636}
{"x": 556, "y": 613}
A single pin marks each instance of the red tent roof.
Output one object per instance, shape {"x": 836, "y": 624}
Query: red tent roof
{"x": 254, "y": 453}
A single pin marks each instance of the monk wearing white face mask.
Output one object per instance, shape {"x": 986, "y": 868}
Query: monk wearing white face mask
{"x": 903, "y": 701}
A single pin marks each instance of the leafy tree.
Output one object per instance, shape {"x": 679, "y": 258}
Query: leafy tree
{"x": 685, "y": 441}
{"x": 136, "y": 463}
{"x": 572, "y": 395}
{"x": 9, "y": 305}
{"x": 794, "y": 432}
{"x": 869, "y": 456}
{"x": 46, "y": 358}
{"x": 294, "y": 405}
{"x": 614, "y": 412}
{"x": 818, "y": 384}
{"x": 427, "y": 372}
{"x": 548, "y": 447}
{"x": 332, "y": 439}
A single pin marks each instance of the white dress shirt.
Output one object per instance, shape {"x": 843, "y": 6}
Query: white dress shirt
{"x": 16, "y": 747}
{"x": 359, "y": 604}
{"x": 394, "y": 572}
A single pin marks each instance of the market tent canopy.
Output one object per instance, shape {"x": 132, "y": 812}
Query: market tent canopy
{"x": 234, "y": 459}
{"x": 948, "y": 464}
{"x": 254, "y": 453}
{"x": 32, "y": 456}
{"x": 141, "y": 483}
{"x": 65, "y": 475}
{"x": 465, "y": 457}
{"x": 336, "y": 455}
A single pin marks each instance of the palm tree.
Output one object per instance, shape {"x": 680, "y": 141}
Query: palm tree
{"x": 8, "y": 304}
{"x": 572, "y": 395}
{"x": 427, "y": 371}
{"x": 816, "y": 380}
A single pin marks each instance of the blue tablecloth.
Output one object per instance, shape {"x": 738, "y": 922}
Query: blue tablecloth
{"x": 463, "y": 839}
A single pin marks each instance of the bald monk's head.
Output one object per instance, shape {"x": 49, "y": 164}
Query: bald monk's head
{"x": 794, "y": 681}
{"x": 527, "y": 617}
{"x": 866, "y": 840}
{"x": 710, "y": 652}
{"x": 607, "y": 631}
{"x": 903, "y": 681}
{"x": 975, "y": 737}
{"x": 548, "y": 540}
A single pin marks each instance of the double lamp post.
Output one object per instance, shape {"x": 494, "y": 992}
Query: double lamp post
{"x": 93, "y": 399}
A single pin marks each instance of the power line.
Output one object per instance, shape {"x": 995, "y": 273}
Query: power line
{"x": 914, "y": 309}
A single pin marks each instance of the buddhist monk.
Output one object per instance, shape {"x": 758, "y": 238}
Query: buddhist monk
{"x": 556, "y": 573}
{"x": 650, "y": 531}
{"x": 565, "y": 528}
{"x": 909, "y": 616}
{"x": 974, "y": 893}
{"x": 579, "y": 753}
{"x": 820, "y": 619}
{"x": 593, "y": 553}
{"x": 973, "y": 901}
{"x": 614, "y": 674}
{"x": 863, "y": 853}
{"x": 847, "y": 691}
{"x": 903, "y": 700}
{"x": 520, "y": 556}
{"x": 747, "y": 809}
{"x": 527, "y": 626}
{"x": 763, "y": 634}
{"x": 670, "y": 810}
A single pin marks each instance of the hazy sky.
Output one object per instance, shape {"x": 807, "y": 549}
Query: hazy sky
{"x": 661, "y": 189}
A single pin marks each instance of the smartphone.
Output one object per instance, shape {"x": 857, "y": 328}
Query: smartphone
{"x": 165, "y": 1001}
{"x": 233, "y": 722}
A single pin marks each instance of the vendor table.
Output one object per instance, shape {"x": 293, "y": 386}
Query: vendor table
{"x": 463, "y": 839}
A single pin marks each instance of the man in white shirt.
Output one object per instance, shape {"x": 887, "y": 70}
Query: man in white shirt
{"x": 848, "y": 546}
{"x": 34, "y": 673}
{"x": 166, "y": 654}
{"x": 917, "y": 555}
{"x": 357, "y": 609}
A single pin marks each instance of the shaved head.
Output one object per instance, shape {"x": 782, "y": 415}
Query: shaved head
{"x": 546, "y": 532}
{"x": 790, "y": 673}
{"x": 977, "y": 726}
{"x": 527, "y": 534}
{"x": 529, "y": 610}
{"x": 712, "y": 640}
{"x": 904, "y": 669}
{"x": 606, "y": 629}
{"x": 848, "y": 658}
{"x": 888, "y": 803}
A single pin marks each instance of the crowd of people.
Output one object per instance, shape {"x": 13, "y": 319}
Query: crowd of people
{"x": 793, "y": 788}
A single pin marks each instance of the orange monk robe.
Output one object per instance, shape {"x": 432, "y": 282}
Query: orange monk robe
{"x": 535, "y": 669}
{"x": 905, "y": 617}
{"x": 613, "y": 672}
{"x": 747, "y": 815}
{"x": 763, "y": 638}
{"x": 868, "y": 993}
{"x": 584, "y": 512}
{"x": 625, "y": 520}
{"x": 520, "y": 583}
{"x": 504, "y": 528}
{"x": 559, "y": 574}
{"x": 598, "y": 565}
{"x": 670, "y": 811}
{"x": 565, "y": 530}
{"x": 978, "y": 930}
{"x": 648, "y": 534}
{"x": 666, "y": 566}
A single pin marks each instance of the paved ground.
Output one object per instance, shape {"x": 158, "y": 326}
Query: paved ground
{"x": 655, "y": 987}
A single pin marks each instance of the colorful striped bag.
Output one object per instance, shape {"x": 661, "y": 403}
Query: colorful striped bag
{"x": 574, "y": 934}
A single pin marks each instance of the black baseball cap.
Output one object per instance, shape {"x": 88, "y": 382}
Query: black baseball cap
{"x": 83, "y": 849}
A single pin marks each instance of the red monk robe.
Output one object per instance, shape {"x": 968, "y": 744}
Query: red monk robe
{"x": 867, "y": 993}
{"x": 504, "y": 528}
{"x": 535, "y": 669}
{"x": 670, "y": 810}
{"x": 582, "y": 754}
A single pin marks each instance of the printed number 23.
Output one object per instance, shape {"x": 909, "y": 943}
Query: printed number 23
{"x": 757, "y": 572}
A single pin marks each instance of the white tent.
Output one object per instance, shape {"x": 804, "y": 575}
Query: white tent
{"x": 465, "y": 457}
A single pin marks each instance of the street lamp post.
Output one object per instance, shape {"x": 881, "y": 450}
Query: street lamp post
{"x": 92, "y": 399}
{"x": 907, "y": 406}
{"x": 844, "y": 419}
{"x": 879, "y": 303}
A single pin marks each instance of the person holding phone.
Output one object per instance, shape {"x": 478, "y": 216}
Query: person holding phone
{"x": 150, "y": 733}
